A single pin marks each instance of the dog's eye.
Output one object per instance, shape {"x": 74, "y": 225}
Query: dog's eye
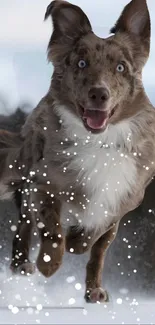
{"x": 82, "y": 64}
{"x": 120, "y": 67}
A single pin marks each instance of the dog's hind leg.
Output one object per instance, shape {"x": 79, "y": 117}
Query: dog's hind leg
{"x": 21, "y": 242}
{"x": 94, "y": 292}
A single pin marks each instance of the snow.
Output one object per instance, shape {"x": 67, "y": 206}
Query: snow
{"x": 59, "y": 299}
{"x": 129, "y": 268}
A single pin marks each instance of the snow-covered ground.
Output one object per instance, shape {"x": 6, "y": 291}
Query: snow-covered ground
{"x": 128, "y": 277}
{"x": 130, "y": 264}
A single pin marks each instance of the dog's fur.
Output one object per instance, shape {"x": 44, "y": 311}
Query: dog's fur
{"x": 10, "y": 138}
{"x": 76, "y": 172}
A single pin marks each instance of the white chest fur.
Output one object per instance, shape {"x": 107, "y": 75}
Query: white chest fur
{"x": 106, "y": 174}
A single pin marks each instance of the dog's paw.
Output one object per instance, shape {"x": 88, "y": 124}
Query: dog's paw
{"x": 50, "y": 257}
{"x": 26, "y": 268}
{"x": 97, "y": 295}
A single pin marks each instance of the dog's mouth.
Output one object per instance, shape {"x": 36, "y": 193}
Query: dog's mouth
{"x": 95, "y": 120}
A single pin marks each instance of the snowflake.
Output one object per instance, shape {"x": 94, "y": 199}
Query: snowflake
{"x": 13, "y": 228}
{"x": 71, "y": 301}
{"x": 30, "y": 311}
{"x": 15, "y": 310}
{"x": 55, "y": 245}
{"x": 39, "y": 307}
{"x": 78, "y": 286}
{"x": 70, "y": 279}
{"x": 85, "y": 312}
{"x": 119, "y": 301}
{"x": 40, "y": 225}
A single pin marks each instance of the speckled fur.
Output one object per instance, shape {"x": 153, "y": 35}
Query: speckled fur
{"x": 80, "y": 179}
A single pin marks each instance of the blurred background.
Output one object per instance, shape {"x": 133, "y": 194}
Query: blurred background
{"x": 24, "y": 72}
{"x": 130, "y": 264}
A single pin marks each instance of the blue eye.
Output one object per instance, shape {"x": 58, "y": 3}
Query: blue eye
{"x": 120, "y": 67}
{"x": 82, "y": 64}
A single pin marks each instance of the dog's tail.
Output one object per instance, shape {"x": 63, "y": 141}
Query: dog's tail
{"x": 10, "y": 153}
{"x": 13, "y": 122}
{"x": 12, "y": 168}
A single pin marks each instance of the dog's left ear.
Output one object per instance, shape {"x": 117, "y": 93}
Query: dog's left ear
{"x": 135, "y": 20}
{"x": 69, "y": 24}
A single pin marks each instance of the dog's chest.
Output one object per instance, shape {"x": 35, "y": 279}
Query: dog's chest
{"x": 106, "y": 176}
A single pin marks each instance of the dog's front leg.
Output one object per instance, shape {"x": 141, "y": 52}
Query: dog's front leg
{"x": 94, "y": 292}
{"x": 21, "y": 242}
{"x": 52, "y": 246}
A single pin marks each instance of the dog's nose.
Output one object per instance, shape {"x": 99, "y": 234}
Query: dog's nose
{"x": 98, "y": 95}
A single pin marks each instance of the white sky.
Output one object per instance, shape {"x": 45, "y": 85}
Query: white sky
{"x": 24, "y": 37}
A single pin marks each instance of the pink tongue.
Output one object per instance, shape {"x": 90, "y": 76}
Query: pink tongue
{"x": 95, "y": 119}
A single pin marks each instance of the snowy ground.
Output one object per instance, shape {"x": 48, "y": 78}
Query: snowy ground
{"x": 128, "y": 277}
{"x": 130, "y": 264}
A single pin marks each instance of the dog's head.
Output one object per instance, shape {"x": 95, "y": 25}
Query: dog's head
{"x": 97, "y": 78}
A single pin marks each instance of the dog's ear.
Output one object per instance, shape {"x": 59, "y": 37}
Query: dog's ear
{"x": 69, "y": 24}
{"x": 135, "y": 20}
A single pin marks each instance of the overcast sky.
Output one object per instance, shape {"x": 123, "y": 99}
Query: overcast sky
{"x": 25, "y": 74}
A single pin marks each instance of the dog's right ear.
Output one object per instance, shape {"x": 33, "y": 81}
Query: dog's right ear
{"x": 69, "y": 24}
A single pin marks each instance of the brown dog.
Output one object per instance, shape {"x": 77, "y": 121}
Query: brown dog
{"x": 87, "y": 151}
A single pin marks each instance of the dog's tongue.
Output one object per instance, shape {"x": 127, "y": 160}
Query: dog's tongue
{"x": 95, "y": 119}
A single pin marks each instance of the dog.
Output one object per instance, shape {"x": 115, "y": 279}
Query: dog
{"x": 10, "y": 139}
{"x": 87, "y": 151}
